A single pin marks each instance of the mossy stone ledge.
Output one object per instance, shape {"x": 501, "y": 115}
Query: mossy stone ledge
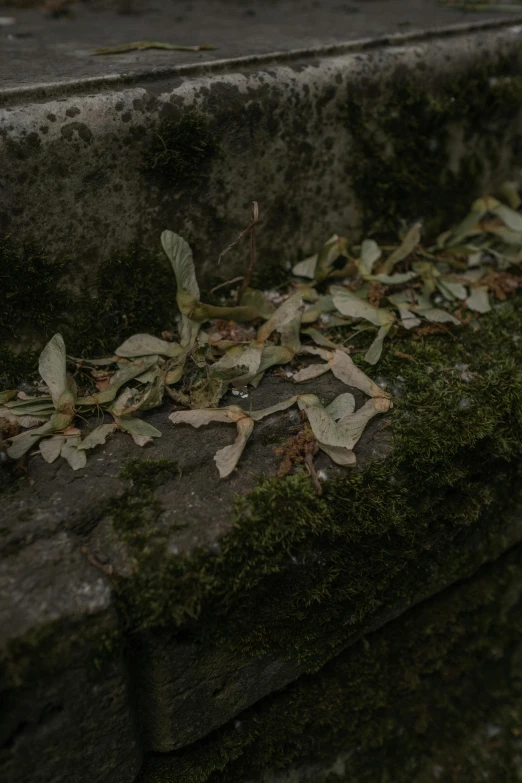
{"x": 150, "y": 567}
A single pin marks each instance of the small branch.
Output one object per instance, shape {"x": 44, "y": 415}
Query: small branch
{"x": 228, "y": 282}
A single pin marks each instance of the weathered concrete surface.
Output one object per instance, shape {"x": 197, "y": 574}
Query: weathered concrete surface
{"x": 39, "y": 49}
{"x": 58, "y": 540}
{"x": 282, "y": 136}
{"x": 434, "y": 695}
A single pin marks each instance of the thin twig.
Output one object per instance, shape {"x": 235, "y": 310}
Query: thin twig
{"x": 228, "y": 282}
{"x": 255, "y": 218}
{"x": 248, "y": 278}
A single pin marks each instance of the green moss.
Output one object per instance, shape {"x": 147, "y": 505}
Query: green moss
{"x": 298, "y": 575}
{"x": 420, "y": 691}
{"x": 181, "y": 151}
{"x": 130, "y": 293}
{"x": 41, "y": 653}
{"x": 134, "y": 513}
{"x": 400, "y": 162}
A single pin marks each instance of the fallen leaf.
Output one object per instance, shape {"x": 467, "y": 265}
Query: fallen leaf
{"x": 373, "y": 354}
{"x": 282, "y": 316}
{"x": 50, "y": 448}
{"x": 370, "y": 254}
{"x": 147, "y": 345}
{"x": 350, "y": 305}
{"x": 141, "y": 46}
{"x": 97, "y": 437}
{"x": 227, "y": 458}
{"x": 478, "y": 300}
{"x": 406, "y": 248}
{"x": 71, "y": 453}
{"x": 344, "y": 368}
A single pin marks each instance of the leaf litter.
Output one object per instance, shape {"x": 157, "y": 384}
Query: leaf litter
{"x": 364, "y": 288}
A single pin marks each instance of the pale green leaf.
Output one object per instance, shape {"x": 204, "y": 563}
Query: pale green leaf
{"x": 343, "y": 368}
{"x": 478, "y": 300}
{"x": 373, "y": 354}
{"x": 343, "y": 405}
{"x": 71, "y": 453}
{"x": 435, "y": 315}
{"x": 180, "y": 256}
{"x": 323, "y": 306}
{"x": 407, "y": 246}
{"x": 227, "y": 458}
{"x": 285, "y": 313}
{"x": 279, "y": 406}
{"x": 350, "y": 305}
{"x": 52, "y": 367}
{"x": 258, "y": 302}
{"x": 339, "y": 454}
{"x": 203, "y": 416}
{"x": 306, "y": 268}
{"x": 20, "y": 444}
{"x": 50, "y": 448}
{"x": 137, "y": 428}
{"x": 370, "y": 253}
{"x": 398, "y": 279}
{"x": 510, "y": 218}
{"x": 148, "y": 345}
{"x": 97, "y": 437}
{"x": 451, "y": 290}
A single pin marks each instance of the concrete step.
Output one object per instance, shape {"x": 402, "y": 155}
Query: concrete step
{"x": 143, "y": 604}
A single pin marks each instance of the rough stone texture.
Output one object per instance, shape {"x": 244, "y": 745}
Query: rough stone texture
{"x": 60, "y": 608}
{"x": 283, "y": 139}
{"x": 434, "y": 695}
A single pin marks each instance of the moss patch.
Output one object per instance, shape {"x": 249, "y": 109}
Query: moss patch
{"x": 298, "y": 574}
{"x": 400, "y": 166}
{"x": 130, "y": 293}
{"x": 420, "y": 692}
{"x": 180, "y": 151}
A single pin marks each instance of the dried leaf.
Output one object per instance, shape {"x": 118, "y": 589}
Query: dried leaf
{"x": 258, "y": 302}
{"x": 398, "y": 279}
{"x": 147, "y": 345}
{"x": 510, "y": 218}
{"x": 343, "y": 405}
{"x": 202, "y": 416}
{"x": 373, "y": 354}
{"x": 435, "y": 315}
{"x": 282, "y": 316}
{"x": 312, "y": 371}
{"x": 306, "y": 268}
{"x": 478, "y": 300}
{"x": 97, "y": 437}
{"x": 350, "y": 305}
{"x": 227, "y": 458}
{"x": 451, "y": 290}
{"x": 348, "y": 372}
{"x": 320, "y": 339}
{"x": 50, "y": 448}
{"x": 323, "y": 306}
{"x": 339, "y": 455}
{"x": 71, "y": 453}
{"x": 26, "y": 440}
{"x": 52, "y": 368}
{"x": 370, "y": 253}
{"x": 239, "y": 365}
{"x": 279, "y": 406}
{"x": 407, "y": 246}
{"x": 138, "y": 428}
{"x": 180, "y": 256}
{"x": 140, "y": 46}
{"x": 120, "y": 377}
